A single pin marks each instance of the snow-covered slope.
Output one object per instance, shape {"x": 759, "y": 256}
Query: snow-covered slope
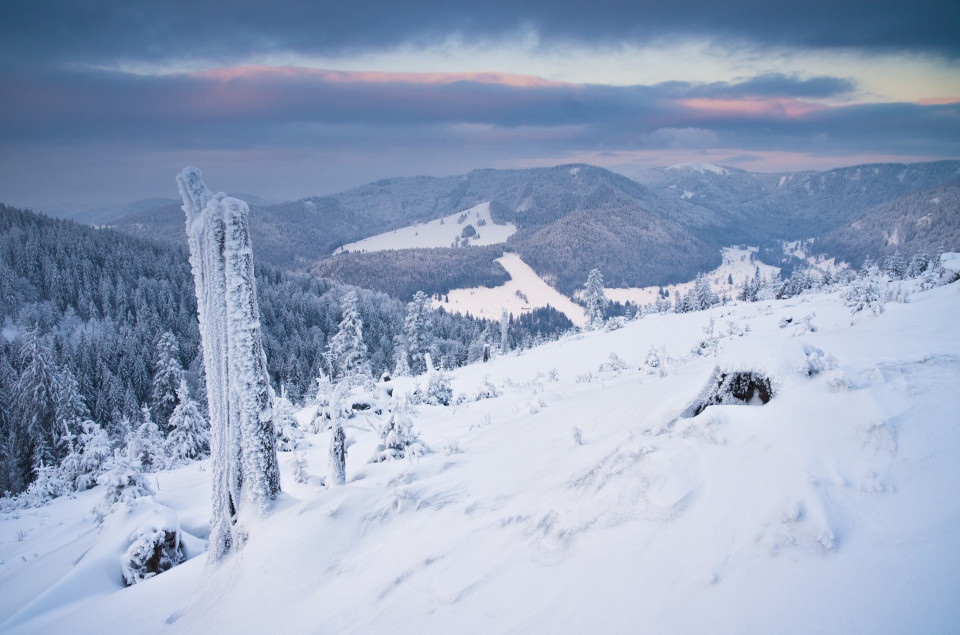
{"x": 442, "y": 232}
{"x": 524, "y": 292}
{"x": 832, "y": 508}
{"x": 738, "y": 266}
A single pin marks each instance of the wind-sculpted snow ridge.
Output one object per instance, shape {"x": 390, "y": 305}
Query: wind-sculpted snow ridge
{"x": 242, "y": 444}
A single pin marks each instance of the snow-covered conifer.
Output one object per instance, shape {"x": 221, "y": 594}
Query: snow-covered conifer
{"x": 439, "y": 392}
{"x": 189, "y": 436}
{"x": 46, "y": 486}
{"x": 703, "y": 295}
{"x": 401, "y": 365}
{"x": 595, "y": 299}
{"x": 416, "y": 327}
{"x": 397, "y": 437}
{"x": 346, "y": 351}
{"x": 288, "y": 431}
{"x": 895, "y": 267}
{"x": 918, "y": 264}
{"x": 145, "y": 443}
{"x": 167, "y": 375}
{"x": 867, "y": 292}
{"x": 36, "y": 399}
{"x": 122, "y": 481}
{"x": 299, "y": 466}
{"x": 95, "y": 451}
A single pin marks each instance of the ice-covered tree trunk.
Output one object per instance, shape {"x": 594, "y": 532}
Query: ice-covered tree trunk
{"x": 242, "y": 443}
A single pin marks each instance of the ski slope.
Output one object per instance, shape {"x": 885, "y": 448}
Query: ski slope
{"x": 442, "y": 232}
{"x": 832, "y": 508}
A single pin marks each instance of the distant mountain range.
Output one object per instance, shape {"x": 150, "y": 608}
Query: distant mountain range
{"x": 661, "y": 227}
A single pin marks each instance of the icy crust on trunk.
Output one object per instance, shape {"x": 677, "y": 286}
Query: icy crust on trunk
{"x": 247, "y": 364}
{"x": 244, "y": 462}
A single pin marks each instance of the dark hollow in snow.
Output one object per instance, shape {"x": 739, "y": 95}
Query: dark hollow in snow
{"x": 732, "y": 387}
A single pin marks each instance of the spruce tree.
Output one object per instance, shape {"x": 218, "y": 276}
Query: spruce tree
{"x": 595, "y": 299}
{"x": 416, "y": 327}
{"x": 36, "y": 390}
{"x": 189, "y": 436}
{"x": 347, "y": 352}
{"x": 167, "y": 375}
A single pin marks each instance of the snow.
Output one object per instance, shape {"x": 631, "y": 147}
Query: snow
{"x": 687, "y": 194}
{"x": 698, "y": 167}
{"x": 737, "y": 263}
{"x": 951, "y": 261}
{"x": 442, "y": 232}
{"x": 489, "y": 303}
{"x": 832, "y": 508}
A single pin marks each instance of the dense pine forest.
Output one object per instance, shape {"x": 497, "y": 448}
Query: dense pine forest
{"x": 99, "y": 326}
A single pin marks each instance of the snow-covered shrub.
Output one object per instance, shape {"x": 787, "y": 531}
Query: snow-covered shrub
{"x": 487, "y": 390}
{"x": 585, "y": 378}
{"x": 656, "y": 361}
{"x": 613, "y": 364}
{"x": 45, "y": 487}
{"x": 816, "y": 361}
{"x": 866, "y": 294}
{"x": 152, "y": 551}
{"x": 439, "y": 392}
{"x": 614, "y": 323}
{"x": 398, "y": 440}
{"x": 804, "y": 326}
{"x": 123, "y": 482}
{"x": 732, "y": 387}
{"x": 299, "y": 466}
{"x": 577, "y": 435}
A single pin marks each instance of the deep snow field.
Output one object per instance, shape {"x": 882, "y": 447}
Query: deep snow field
{"x": 441, "y": 232}
{"x": 834, "y": 507}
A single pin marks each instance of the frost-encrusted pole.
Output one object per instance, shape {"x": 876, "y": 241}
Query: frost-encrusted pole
{"x": 241, "y": 423}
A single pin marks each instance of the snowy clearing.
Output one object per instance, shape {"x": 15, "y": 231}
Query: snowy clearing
{"x": 583, "y": 498}
{"x": 524, "y": 292}
{"x": 442, "y": 232}
{"x": 738, "y": 265}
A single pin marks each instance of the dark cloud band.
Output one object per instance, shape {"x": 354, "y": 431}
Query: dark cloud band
{"x": 104, "y": 32}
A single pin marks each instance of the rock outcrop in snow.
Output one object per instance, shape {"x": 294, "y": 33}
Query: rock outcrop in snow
{"x": 242, "y": 443}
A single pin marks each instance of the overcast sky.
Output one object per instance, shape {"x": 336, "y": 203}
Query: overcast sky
{"x": 104, "y": 102}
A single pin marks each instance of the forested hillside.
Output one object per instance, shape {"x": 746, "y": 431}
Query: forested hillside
{"x": 928, "y": 220}
{"x": 84, "y": 311}
{"x": 664, "y": 227}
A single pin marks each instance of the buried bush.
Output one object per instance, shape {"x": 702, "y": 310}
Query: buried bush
{"x": 153, "y": 551}
{"x": 732, "y": 387}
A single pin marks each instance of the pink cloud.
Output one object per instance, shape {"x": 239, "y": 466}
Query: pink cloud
{"x": 751, "y": 107}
